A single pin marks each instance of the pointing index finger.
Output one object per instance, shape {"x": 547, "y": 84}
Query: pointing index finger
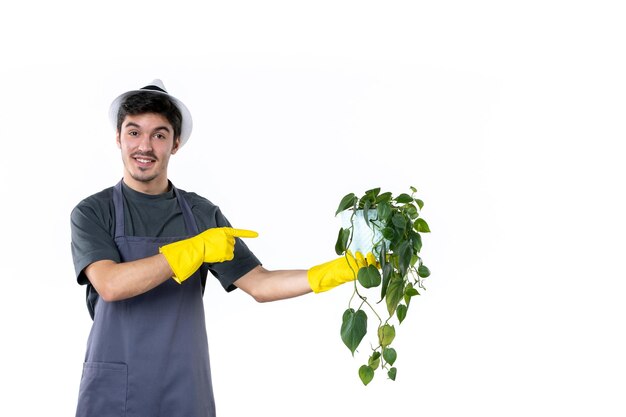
{"x": 243, "y": 233}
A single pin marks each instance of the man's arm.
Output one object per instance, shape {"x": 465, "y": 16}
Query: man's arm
{"x": 118, "y": 281}
{"x": 264, "y": 285}
{"x": 180, "y": 260}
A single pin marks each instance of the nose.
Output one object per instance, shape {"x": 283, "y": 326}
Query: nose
{"x": 145, "y": 144}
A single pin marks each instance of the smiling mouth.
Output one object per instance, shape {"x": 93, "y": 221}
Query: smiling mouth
{"x": 144, "y": 159}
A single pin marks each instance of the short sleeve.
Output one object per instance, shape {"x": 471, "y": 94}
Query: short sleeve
{"x": 91, "y": 239}
{"x": 209, "y": 216}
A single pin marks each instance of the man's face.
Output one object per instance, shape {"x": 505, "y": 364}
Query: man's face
{"x": 146, "y": 141}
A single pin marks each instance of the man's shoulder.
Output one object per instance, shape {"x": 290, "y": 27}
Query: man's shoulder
{"x": 97, "y": 201}
{"x": 206, "y": 213}
{"x": 196, "y": 200}
{"x": 105, "y": 195}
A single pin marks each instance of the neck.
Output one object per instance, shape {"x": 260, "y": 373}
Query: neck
{"x": 153, "y": 187}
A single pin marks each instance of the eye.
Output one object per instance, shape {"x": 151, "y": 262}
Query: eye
{"x": 133, "y": 133}
{"x": 160, "y": 136}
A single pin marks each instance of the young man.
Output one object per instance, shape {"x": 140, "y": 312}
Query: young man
{"x": 144, "y": 249}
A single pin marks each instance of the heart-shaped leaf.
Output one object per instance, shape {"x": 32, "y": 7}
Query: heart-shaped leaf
{"x": 369, "y": 277}
{"x": 353, "y": 328}
{"x": 366, "y": 374}
{"x": 386, "y": 334}
{"x": 390, "y": 355}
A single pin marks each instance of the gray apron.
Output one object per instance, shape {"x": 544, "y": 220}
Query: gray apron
{"x": 147, "y": 356}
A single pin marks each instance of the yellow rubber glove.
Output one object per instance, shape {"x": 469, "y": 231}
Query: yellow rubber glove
{"x": 212, "y": 245}
{"x": 328, "y": 275}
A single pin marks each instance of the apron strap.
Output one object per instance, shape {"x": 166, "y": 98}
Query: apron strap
{"x": 118, "y": 203}
{"x": 190, "y": 221}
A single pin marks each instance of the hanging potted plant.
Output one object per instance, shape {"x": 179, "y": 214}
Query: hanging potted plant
{"x": 388, "y": 227}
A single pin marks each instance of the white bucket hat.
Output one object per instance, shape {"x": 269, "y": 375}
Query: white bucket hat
{"x": 156, "y": 86}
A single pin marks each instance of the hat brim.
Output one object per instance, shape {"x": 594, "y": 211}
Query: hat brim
{"x": 187, "y": 122}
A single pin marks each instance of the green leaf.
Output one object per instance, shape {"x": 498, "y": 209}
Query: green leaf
{"x": 420, "y": 203}
{"x": 409, "y": 292}
{"x": 372, "y": 194}
{"x": 399, "y": 221}
{"x": 392, "y": 374}
{"x": 421, "y": 226}
{"x": 374, "y": 360}
{"x": 395, "y": 291}
{"x": 346, "y": 202}
{"x": 387, "y": 270}
{"x": 366, "y": 374}
{"x": 404, "y": 256}
{"x": 369, "y": 277}
{"x": 381, "y": 256}
{"x": 411, "y": 211}
{"x": 404, "y": 199}
{"x": 423, "y": 271}
{"x": 388, "y": 233}
{"x": 390, "y": 355}
{"x": 386, "y": 334}
{"x": 417, "y": 242}
{"x": 353, "y": 328}
{"x": 366, "y": 213}
{"x": 401, "y": 312}
{"x": 384, "y": 211}
{"x": 342, "y": 241}
{"x": 384, "y": 197}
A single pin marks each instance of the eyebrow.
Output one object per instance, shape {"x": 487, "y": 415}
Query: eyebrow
{"x": 133, "y": 124}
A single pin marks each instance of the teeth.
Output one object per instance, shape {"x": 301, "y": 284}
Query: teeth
{"x": 144, "y": 161}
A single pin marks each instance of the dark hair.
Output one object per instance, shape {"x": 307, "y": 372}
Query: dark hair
{"x": 148, "y": 102}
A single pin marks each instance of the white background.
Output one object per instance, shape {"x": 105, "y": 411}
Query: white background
{"x": 505, "y": 115}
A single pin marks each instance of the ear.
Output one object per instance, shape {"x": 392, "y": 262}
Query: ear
{"x": 117, "y": 139}
{"x": 176, "y": 145}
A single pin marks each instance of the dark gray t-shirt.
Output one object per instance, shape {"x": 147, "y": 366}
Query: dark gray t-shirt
{"x": 93, "y": 229}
